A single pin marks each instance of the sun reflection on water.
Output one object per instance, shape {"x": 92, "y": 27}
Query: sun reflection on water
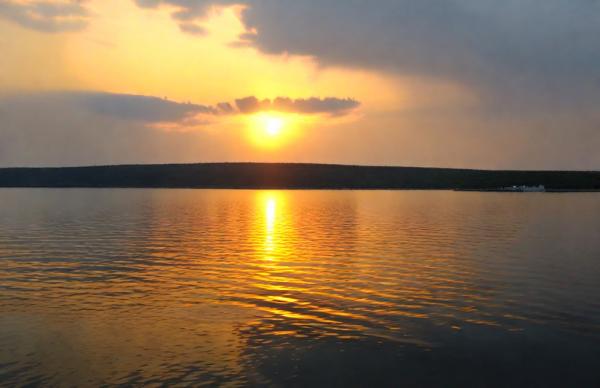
{"x": 270, "y": 218}
{"x": 233, "y": 282}
{"x": 270, "y": 203}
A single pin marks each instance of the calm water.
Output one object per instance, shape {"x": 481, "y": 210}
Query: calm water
{"x": 299, "y": 288}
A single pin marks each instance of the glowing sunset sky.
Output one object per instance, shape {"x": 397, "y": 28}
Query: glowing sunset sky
{"x": 456, "y": 83}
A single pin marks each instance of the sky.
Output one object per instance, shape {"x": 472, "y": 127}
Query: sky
{"x": 511, "y": 84}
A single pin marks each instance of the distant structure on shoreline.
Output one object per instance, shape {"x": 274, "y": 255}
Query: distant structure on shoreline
{"x": 520, "y": 189}
{"x": 526, "y": 189}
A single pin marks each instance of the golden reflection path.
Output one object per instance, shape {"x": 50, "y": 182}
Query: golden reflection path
{"x": 94, "y": 278}
{"x": 270, "y": 219}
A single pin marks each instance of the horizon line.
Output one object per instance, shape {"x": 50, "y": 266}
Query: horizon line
{"x": 286, "y": 164}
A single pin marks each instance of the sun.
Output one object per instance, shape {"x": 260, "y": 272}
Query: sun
{"x": 273, "y": 125}
{"x": 271, "y": 129}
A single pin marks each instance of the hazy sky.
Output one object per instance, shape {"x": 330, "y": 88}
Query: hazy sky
{"x": 453, "y": 83}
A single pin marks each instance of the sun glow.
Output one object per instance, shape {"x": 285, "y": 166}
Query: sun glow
{"x": 271, "y": 129}
{"x": 273, "y": 126}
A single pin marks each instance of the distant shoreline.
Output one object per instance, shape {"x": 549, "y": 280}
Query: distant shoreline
{"x": 521, "y": 192}
{"x": 299, "y": 176}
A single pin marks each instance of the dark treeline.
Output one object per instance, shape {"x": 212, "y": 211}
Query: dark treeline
{"x": 292, "y": 176}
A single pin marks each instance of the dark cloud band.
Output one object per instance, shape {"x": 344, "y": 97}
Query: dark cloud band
{"x": 47, "y": 16}
{"x": 523, "y": 56}
{"x": 330, "y": 105}
{"x": 150, "y": 110}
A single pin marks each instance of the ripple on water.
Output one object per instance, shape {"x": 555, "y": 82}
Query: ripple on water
{"x": 259, "y": 287}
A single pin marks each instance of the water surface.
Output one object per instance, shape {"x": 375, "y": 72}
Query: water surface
{"x": 413, "y": 288}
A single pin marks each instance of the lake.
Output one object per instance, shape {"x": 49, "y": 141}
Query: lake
{"x": 298, "y": 288}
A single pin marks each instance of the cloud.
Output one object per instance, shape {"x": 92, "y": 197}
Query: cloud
{"x": 170, "y": 114}
{"x": 517, "y": 55}
{"x": 252, "y": 104}
{"x": 188, "y": 13}
{"x": 330, "y": 105}
{"x": 159, "y": 110}
{"x": 137, "y": 108}
{"x": 126, "y": 107}
{"x": 46, "y": 16}
{"x": 192, "y": 29}
{"x": 225, "y": 108}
